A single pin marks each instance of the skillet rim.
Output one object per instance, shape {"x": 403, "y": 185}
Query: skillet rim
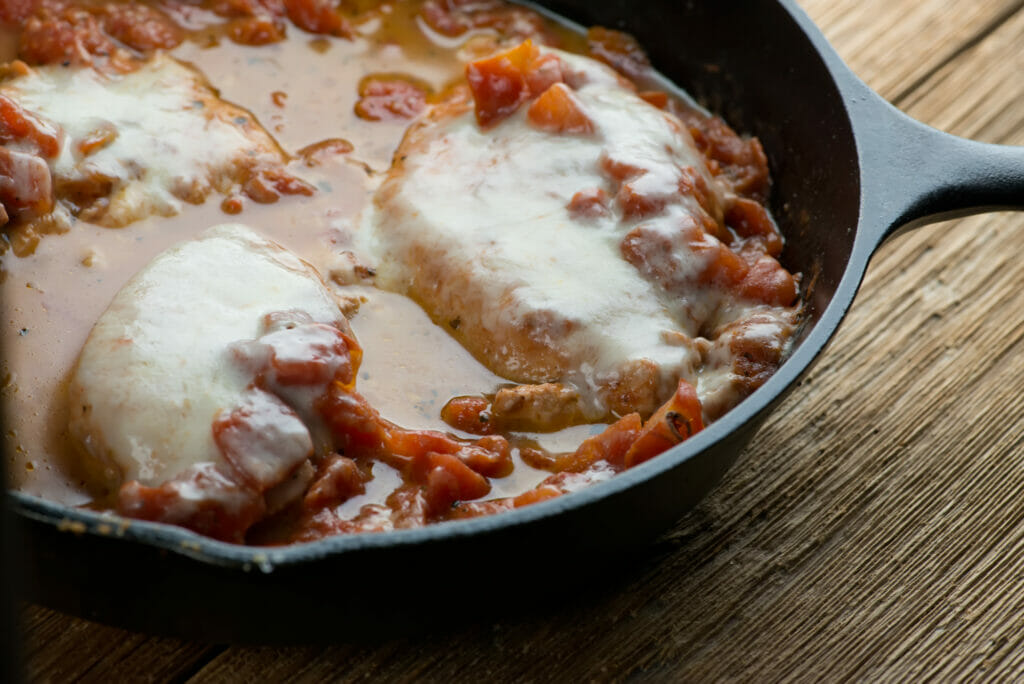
{"x": 183, "y": 542}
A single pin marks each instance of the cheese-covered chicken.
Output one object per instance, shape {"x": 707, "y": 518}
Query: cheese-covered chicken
{"x": 195, "y": 387}
{"x": 571, "y": 235}
{"x": 123, "y": 146}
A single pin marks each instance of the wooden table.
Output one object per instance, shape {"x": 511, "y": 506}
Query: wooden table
{"x": 876, "y": 528}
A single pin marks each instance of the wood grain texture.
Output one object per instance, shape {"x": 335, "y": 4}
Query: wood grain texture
{"x": 896, "y": 45}
{"x": 874, "y": 531}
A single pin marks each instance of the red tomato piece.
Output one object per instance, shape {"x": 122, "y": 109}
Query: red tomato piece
{"x": 469, "y": 414}
{"x": 722, "y": 267}
{"x": 475, "y": 509}
{"x": 636, "y": 203}
{"x": 203, "y": 499}
{"x": 263, "y": 439}
{"x": 258, "y": 30}
{"x": 140, "y": 27}
{"x": 678, "y": 419}
{"x": 558, "y": 111}
{"x": 536, "y": 495}
{"x": 16, "y": 11}
{"x": 655, "y": 98}
{"x": 390, "y": 98}
{"x": 26, "y": 186}
{"x": 742, "y": 160}
{"x": 446, "y": 480}
{"x": 750, "y": 220}
{"x": 357, "y": 427}
{"x": 338, "y": 480}
{"x": 490, "y": 456}
{"x": 317, "y": 16}
{"x": 609, "y": 445}
{"x": 543, "y": 73}
{"x": 63, "y": 33}
{"x": 19, "y": 124}
{"x": 619, "y": 170}
{"x": 498, "y": 84}
{"x": 767, "y": 281}
{"x": 268, "y": 185}
{"x": 589, "y": 203}
{"x": 317, "y": 153}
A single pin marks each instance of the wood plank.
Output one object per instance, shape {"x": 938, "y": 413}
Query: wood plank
{"x": 63, "y": 649}
{"x": 896, "y": 45}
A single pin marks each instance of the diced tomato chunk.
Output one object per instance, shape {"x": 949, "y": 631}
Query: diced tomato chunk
{"x": 501, "y": 83}
{"x": 558, "y": 111}
{"x": 767, "y": 281}
{"x": 498, "y": 83}
{"x": 409, "y": 507}
{"x": 544, "y": 72}
{"x": 140, "y": 27}
{"x": 26, "y": 187}
{"x": 678, "y": 419}
{"x": 692, "y": 183}
{"x": 469, "y": 414}
{"x": 655, "y": 98}
{"x": 446, "y": 480}
{"x": 18, "y": 124}
{"x": 438, "y": 15}
{"x": 317, "y": 16}
{"x": 722, "y": 266}
{"x": 268, "y": 185}
{"x": 16, "y": 11}
{"x": 357, "y": 427}
{"x": 263, "y": 439}
{"x": 454, "y": 17}
{"x": 414, "y": 443}
{"x": 589, "y": 203}
{"x": 637, "y": 204}
{"x": 338, "y": 480}
{"x": 203, "y": 499}
{"x": 536, "y": 495}
{"x": 312, "y": 354}
{"x": 248, "y": 8}
{"x": 390, "y": 98}
{"x": 609, "y": 445}
{"x": 750, "y": 220}
{"x": 619, "y": 170}
{"x": 258, "y": 30}
{"x": 97, "y": 140}
{"x": 59, "y": 33}
{"x": 490, "y": 456}
{"x": 317, "y": 153}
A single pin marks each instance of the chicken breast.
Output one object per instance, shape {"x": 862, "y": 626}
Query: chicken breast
{"x": 568, "y": 233}
{"x": 172, "y": 353}
{"x": 137, "y": 144}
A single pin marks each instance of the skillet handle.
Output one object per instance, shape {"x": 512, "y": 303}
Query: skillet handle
{"x": 913, "y": 174}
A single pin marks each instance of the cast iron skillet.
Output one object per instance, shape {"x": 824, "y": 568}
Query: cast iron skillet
{"x": 849, "y": 171}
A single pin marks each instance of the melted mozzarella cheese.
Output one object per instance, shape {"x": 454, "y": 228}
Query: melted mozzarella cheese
{"x": 158, "y": 366}
{"x": 474, "y": 224}
{"x": 144, "y": 142}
